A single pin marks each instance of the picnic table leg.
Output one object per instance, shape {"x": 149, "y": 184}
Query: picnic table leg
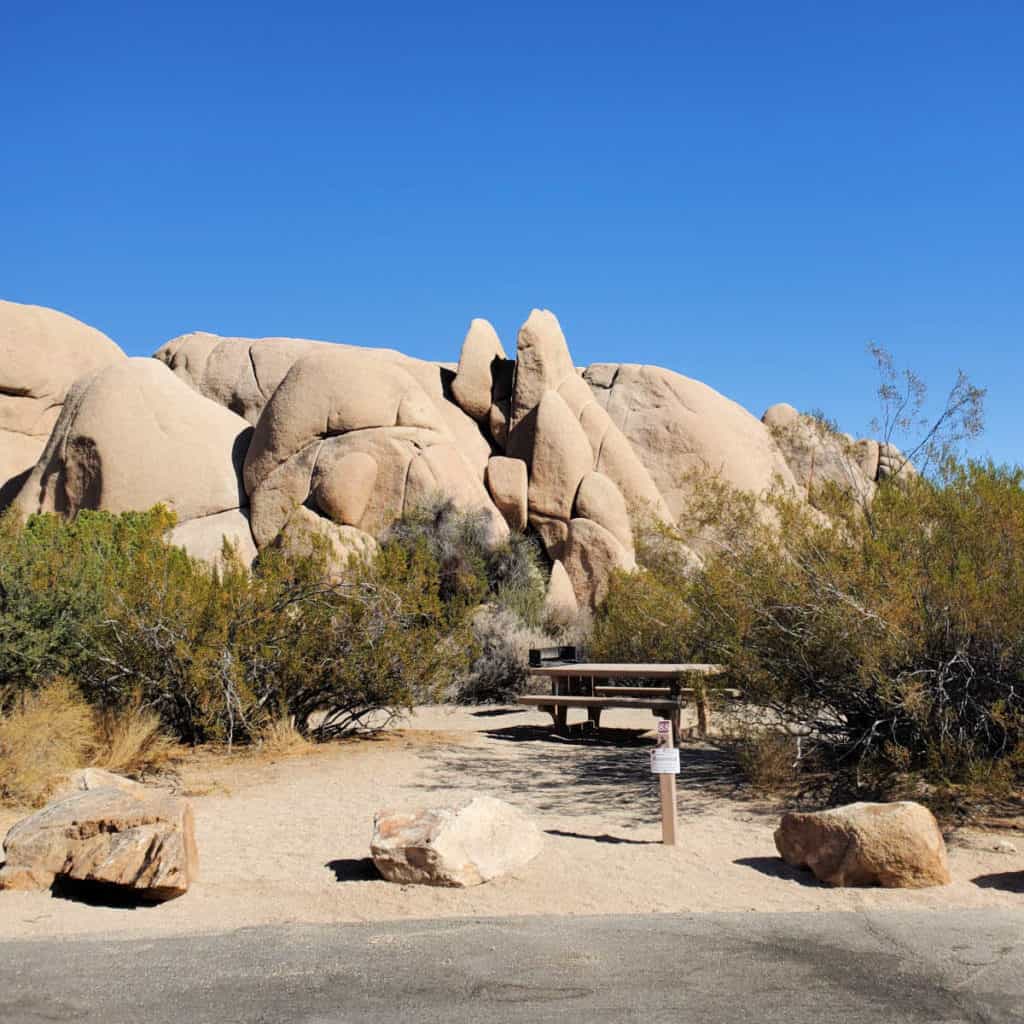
{"x": 560, "y": 715}
{"x": 702, "y": 716}
{"x": 594, "y": 717}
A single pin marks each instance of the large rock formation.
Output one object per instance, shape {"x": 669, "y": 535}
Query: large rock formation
{"x": 819, "y": 456}
{"x": 131, "y": 436}
{"x": 284, "y": 440}
{"x": 242, "y": 374}
{"x": 897, "y": 845}
{"x": 340, "y": 414}
{"x": 454, "y": 846}
{"x": 137, "y": 839}
{"x": 678, "y": 427}
{"x": 42, "y": 353}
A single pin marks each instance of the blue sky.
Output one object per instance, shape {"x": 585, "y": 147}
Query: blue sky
{"x": 745, "y": 192}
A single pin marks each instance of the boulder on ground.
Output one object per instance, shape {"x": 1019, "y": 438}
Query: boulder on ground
{"x": 897, "y": 845}
{"x": 99, "y": 778}
{"x": 142, "y": 842}
{"x": 133, "y": 436}
{"x": 454, "y": 846}
{"x": 42, "y": 353}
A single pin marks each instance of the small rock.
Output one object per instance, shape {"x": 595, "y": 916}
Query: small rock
{"x": 897, "y": 845}
{"x": 99, "y": 778}
{"x": 453, "y": 846}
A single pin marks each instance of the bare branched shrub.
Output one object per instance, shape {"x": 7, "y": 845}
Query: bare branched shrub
{"x": 928, "y": 438}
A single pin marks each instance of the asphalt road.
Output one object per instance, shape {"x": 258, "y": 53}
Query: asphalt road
{"x": 883, "y": 968}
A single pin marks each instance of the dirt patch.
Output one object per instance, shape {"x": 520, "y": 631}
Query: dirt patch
{"x": 287, "y": 839}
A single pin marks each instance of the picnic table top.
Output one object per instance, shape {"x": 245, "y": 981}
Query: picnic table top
{"x": 612, "y": 671}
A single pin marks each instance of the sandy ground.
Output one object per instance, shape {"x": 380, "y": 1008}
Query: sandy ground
{"x": 288, "y": 841}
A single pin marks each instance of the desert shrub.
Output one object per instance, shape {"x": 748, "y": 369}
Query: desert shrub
{"x": 472, "y": 569}
{"x": 895, "y": 640}
{"x": 501, "y": 586}
{"x": 766, "y": 757}
{"x": 498, "y": 671}
{"x": 44, "y": 735}
{"x": 221, "y": 654}
{"x": 55, "y": 579}
{"x": 218, "y": 654}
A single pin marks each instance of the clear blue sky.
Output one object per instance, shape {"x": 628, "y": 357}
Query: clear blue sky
{"x": 746, "y": 192}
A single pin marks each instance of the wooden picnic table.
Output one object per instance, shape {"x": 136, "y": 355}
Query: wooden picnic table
{"x": 575, "y": 685}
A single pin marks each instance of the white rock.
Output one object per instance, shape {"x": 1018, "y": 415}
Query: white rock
{"x": 454, "y": 846}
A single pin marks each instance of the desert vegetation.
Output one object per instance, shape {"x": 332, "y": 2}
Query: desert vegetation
{"x": 116, "y": 644}
{"x": 889, "y": 643}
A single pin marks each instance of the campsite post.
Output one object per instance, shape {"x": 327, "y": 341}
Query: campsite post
{"x": 665, "y": 764}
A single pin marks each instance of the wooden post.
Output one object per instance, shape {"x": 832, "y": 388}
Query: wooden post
{"x": 668, "y": 739}
{"x": 668, "y": 809}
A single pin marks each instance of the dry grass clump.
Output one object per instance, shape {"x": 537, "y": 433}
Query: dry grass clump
{"x": 767, "y": 758}
{"x": 52, "y": 731}
{"x": 132, "y": 741}
{"x": 281, "y": 738}
{"x": 49, "y": 733}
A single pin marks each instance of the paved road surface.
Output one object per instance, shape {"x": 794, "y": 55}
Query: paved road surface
{"x": 882, "y": 968}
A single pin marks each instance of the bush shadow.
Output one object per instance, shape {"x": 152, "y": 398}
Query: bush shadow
{"x": 606, "y": 773}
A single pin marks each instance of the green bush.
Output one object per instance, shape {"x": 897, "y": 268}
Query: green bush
{"x": 893, "y": 638}
{"x": 221, "y": 653}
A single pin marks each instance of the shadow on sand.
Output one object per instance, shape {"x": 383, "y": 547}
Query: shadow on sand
{"x": 354, "y": 869}
{"x": 1006, "y": 881}
{"x": 776, "y": 867}
{"x": 603, "y": 838}
{"x": 100, "y": 894}
{"x": 606, "y": 772}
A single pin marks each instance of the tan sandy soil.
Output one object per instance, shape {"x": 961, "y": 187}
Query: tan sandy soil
{"x": 288, "y": 841}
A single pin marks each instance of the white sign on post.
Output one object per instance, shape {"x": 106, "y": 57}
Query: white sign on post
{"x": 665, "y": 761}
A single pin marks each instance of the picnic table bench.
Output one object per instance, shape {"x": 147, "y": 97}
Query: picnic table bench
{"x": 590, "y": 686}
